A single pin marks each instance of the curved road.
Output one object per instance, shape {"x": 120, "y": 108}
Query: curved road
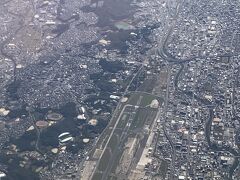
{"x": 170, "y": 59}
{"x": 208, "y": 127}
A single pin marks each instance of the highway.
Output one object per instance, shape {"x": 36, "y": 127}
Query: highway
{"x": 169, "y": 59}
{"x": 165, "y": 123}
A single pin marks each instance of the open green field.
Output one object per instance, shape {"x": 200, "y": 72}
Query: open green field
{"x": 143, "y": 116}
{"x": 123, "y": 121}
{"x": 97, "y": 176}
{"x": 112, "y": 177}
{"x": 104, "y": 160}
{"x": 148, "y": 84}
{"x": 113, "y": 142}
{"x": 128, "y": 113}
{"x": 145, "y": 98}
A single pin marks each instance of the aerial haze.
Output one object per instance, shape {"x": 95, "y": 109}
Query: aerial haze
{"x": 119, "y": 89}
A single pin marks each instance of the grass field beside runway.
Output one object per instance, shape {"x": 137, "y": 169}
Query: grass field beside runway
{"x": 130, "y": 120}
